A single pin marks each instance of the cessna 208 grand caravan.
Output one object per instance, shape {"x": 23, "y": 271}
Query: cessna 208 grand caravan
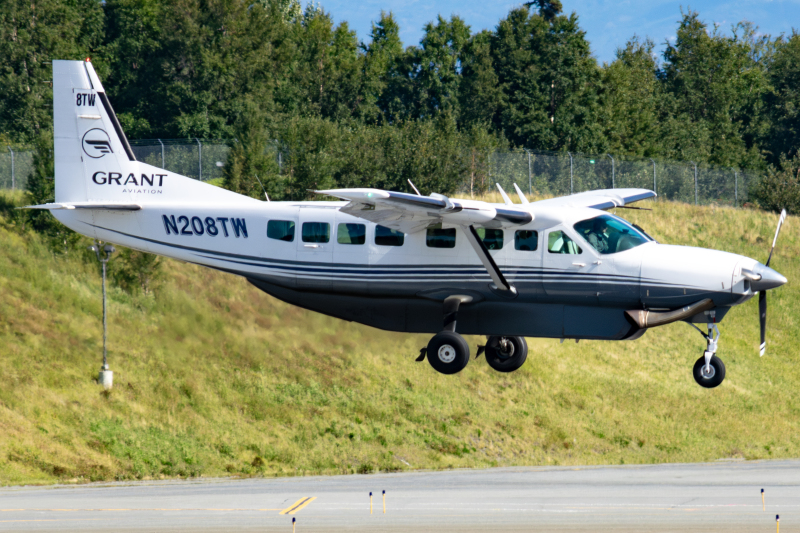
{"x": 562, "y": 268}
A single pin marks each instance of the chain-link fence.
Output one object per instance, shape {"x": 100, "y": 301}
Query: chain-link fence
{"x": 199, "y": 159}
{"x": 537, "y": 172}
{"x": 558, "y": 174}
{"x": 15, "y": 167}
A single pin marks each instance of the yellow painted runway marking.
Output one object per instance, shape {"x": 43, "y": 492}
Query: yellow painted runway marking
{"x": 299, "y": 504}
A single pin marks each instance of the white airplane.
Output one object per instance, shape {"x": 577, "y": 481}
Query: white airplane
{"x": 561, "y": 268}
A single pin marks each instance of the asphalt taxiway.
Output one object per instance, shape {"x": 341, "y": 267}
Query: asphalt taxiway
{"x": 723, "y": 496}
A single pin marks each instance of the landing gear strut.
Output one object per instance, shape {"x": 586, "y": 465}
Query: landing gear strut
{"x": 447, "y": 351}
{"x": 709, "y": 370}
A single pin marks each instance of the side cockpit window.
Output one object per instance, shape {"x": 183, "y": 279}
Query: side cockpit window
{"x": 609, "y": 234}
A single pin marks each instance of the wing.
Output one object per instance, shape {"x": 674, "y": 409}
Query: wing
{"x": 600, "y": 199}
{"x": 411, "y": 213}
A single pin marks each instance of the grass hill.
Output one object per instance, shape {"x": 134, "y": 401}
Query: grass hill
{"x": 213, "y": 377}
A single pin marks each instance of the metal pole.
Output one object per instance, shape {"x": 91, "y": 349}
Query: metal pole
{"x": 613, "y": 173}
{"x": 199, "y": 157}
{"x": 654, "y": 175}
{"x": 695, "y": 181}
{"x": 530, "y": 175}
{"x": 163, "y": 164}
{"x": 13, "y": 180}
{"x": 571, "y": 189}
{"x": 735, "y": 189}
{"x": 105, "y": 320}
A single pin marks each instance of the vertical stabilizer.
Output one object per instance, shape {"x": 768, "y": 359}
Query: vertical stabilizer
{"x": 88, "y": 136}
{"x": 93, "y": 159}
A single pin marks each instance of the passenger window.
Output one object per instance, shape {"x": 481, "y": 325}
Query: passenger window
{"x": 316, "y": 232}
{"x": 388, "y": 237}
{"x": 559, "y": 242}
{"x": 351, "y": 234}
{"x": 441, "y": 238}
{"x": 492, "y": 238}
{"x": 281, "y": 230}
{"x": 526, "y": 240}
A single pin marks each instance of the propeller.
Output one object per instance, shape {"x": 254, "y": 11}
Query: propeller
{"x": 762, "y": 295}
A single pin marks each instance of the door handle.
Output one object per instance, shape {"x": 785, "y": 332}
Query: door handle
{"x": 579, "y": 264}
{"x": 311, "y": 245}
{"x": 598, "y": 263}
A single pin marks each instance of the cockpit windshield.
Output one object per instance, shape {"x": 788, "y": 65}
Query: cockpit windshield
{"x": 609, "y": 234}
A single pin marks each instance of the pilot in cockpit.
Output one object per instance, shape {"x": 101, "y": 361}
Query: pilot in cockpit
{"x": 598, "y": 236}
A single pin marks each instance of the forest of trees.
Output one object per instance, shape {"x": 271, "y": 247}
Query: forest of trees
{"x": 374, "y": 113}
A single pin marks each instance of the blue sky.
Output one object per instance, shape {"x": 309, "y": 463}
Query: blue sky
{"x": 608, "y": 24}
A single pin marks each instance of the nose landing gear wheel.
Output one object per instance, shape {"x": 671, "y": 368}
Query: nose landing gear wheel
{"x": 506, "y": 354}
{"x": 709, "y": 377}
{"x": 448, "y": 352}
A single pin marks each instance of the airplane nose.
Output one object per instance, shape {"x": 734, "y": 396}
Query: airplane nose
{"x": 769, "y": 279}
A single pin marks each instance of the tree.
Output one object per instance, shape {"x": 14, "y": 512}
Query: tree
{"x": 381, "y": 60}
{"x": 32, "y": 33}
{"x": 780, "y": 188}
{"x": 717, "y": 84}
{"x": 783, "y": 101}
{"x": 480, "y": 94}
{"x": 436, "y": 68}
{"x": 135, "y": 271}
{"x": 252, "y": 162}
{"x": 549, "y": 81}
{"x": 631, "y": 97}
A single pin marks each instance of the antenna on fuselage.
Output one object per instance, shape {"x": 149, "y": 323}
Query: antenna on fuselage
{"x": 521, "y": 196}
{"x": 262, "y": 186}
{"x": 506, "y": 199}
{"x": 415, "y": 189}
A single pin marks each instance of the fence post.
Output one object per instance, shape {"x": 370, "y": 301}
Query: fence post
{"x": 530, "y": 175}
{"x": 613, "y": 173}
{"x": 13, "y": 179}
{"x": 654, "y": 176}
{"x": 163, "y": 164}
{"x": 735, "y": 189}
{"x": 199, "y": 157}
{"x": 571, "y": 189}
{"x": 695, "y": 181}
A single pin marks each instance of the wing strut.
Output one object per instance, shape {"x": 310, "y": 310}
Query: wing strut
{"x": 488, "y": 261}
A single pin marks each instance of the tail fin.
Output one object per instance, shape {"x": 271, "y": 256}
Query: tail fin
{"x": 93, "y": 159}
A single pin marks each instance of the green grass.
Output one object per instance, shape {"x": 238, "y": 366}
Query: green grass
{"x": 213, "y": 377}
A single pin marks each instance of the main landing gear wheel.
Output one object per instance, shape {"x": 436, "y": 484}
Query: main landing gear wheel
{"x": 711, "y": 375}
{"x": 506, "y": 354}
{"x": 448, "y": 352}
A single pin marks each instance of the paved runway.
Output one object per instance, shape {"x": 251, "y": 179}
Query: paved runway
{"x": 723, "y": 496}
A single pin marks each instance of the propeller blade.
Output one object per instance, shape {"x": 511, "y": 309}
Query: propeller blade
{"x": 777, "y": 231}
{"x": 762, "y": 315}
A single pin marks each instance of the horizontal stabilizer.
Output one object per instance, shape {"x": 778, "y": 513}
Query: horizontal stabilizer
{"x": 106, "y": 206}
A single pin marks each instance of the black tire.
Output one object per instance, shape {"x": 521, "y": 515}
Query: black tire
{"x": 717, "y": 372}
{"x": 506, "y": 360}
{"x": 448, "y": 352}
